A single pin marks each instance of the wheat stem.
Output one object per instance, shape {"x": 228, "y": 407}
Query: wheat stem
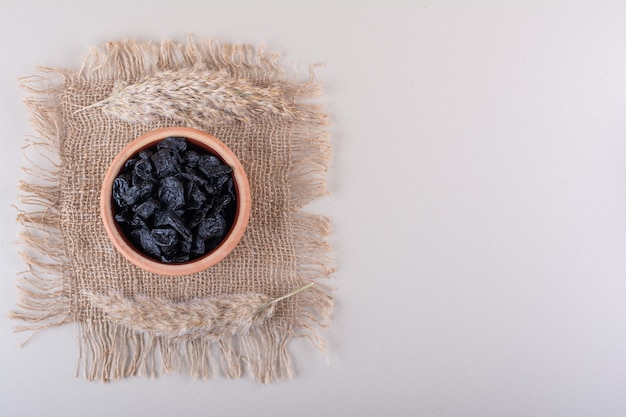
{"x": 290, "y": 294}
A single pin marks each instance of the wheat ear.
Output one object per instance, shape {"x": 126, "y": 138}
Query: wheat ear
{"x": 193, "y": 96}
{"x": 224, "y": 315}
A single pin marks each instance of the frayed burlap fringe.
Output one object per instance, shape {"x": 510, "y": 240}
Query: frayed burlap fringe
{"x": 42, "y": 289}
{"x": 204, "y": 333}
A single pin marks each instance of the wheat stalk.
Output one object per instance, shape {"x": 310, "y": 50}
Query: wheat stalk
{"x": 193, "y": 95}
{"x": 224, "y": 315}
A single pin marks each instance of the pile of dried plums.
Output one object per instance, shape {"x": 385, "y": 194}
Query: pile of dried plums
{"x": 175, "y": 202}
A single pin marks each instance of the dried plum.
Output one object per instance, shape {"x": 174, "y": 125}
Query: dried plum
{"x": 210, "y": 161}
{"x": 196, "y": 216}
{"x": 230, "y": 187}
{"x": 170, "y": 218}
{"x": 176, "y": 144}
{"x": 120, "y": 191}
{"x": 212, "y": 227}
{"x": 121, "y": 217}
{"x": 166, "y": 162}
{"x": 175, "y": 201}
{"x": 165, "y": 237}
{"x": 212, "y": 167}
{"x": 222, "y": 180}
{"x": 184, "y": 247}
{"x": 171, "y": 193}
{"x": 138, "y": 222}
{"x": 195, "y": 197}
{"x": 220, "y": 203}
{"x": 145, "y": 154}
{"x": 198, "y": 247}
{"x": 142, "y": 171}
{"x": 143, "y": 239}
{"x": 130, "y": 165}
{"x": 147, "y": 208}
{"x": 191, "y": 159}
{"x": 142, "y": 190}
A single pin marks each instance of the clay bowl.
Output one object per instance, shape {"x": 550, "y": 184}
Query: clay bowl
{"x": 242, "y": 213}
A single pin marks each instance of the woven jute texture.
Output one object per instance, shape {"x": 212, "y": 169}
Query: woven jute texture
{"x": 216, "y": 322}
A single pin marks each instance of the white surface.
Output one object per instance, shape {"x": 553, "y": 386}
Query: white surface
{"x": 479, "y": 204}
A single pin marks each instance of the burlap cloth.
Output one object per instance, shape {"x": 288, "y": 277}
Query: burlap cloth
{"x": 132, "y": 322}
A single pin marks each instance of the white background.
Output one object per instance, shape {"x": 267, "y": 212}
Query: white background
{"x": 478, "y": 195}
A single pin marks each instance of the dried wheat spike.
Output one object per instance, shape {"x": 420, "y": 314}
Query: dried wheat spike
{"x": 193, "y": 96}
{"x": 226, "y": 315}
